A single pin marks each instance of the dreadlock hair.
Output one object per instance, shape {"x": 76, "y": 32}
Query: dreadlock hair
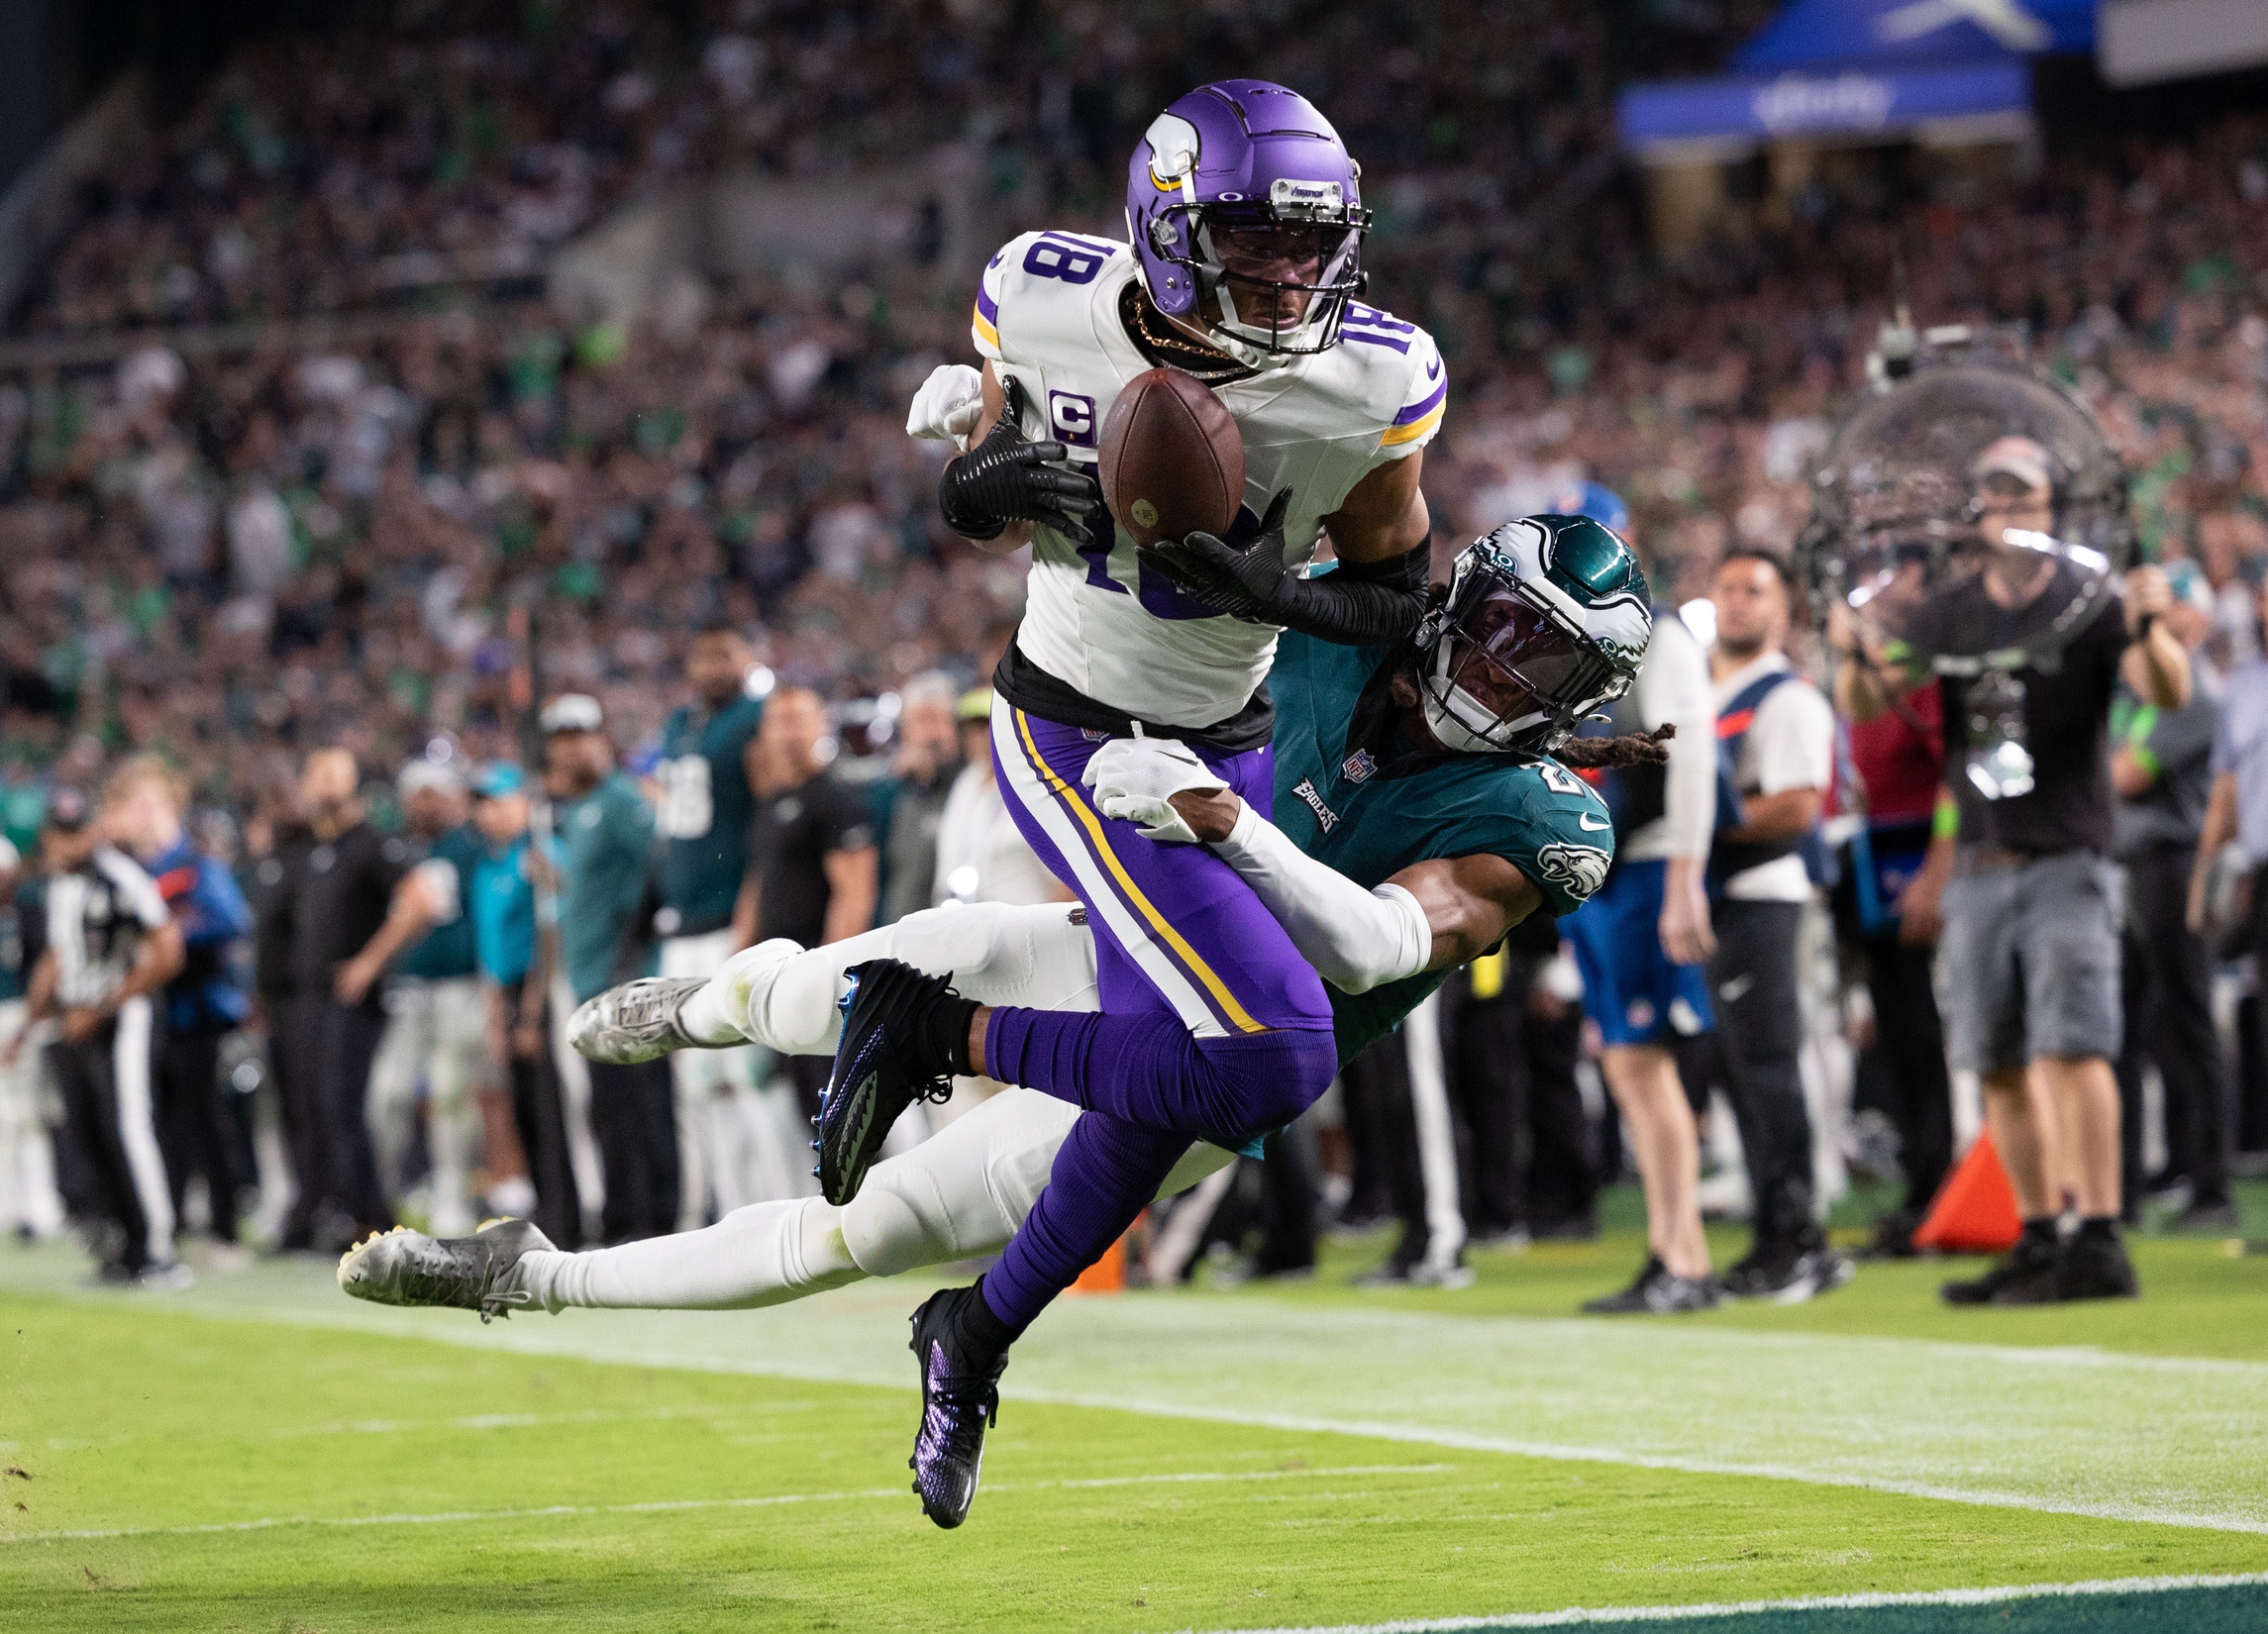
{"x": 1634, "y": 749}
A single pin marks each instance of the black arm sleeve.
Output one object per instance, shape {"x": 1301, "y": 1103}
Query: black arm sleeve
{"x": 1358, "y": 604}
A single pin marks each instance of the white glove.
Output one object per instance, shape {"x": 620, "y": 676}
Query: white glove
{"x": 1135, "y": 778}
{"x": 948, "y": 405}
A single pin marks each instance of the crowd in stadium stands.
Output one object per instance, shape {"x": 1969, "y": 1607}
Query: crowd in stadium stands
{"x": 231, "y": 559}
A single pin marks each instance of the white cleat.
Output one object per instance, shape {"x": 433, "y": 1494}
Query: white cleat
{"x": 635, "y": 1022}
{"x": 402, "y": 1266}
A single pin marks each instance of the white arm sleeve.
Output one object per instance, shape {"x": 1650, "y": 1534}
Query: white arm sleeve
{"x": 1356, "y": 939}
{"x": 1673, "y": 688}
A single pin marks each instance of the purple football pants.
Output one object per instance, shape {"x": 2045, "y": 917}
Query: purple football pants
{"x": 1213, "y": 1026}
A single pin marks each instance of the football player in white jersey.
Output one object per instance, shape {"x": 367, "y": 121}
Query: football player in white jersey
{"x": 1246, "y": 222}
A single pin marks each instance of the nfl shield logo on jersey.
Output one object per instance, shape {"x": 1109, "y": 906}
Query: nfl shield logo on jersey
{"x": 1358, "y": 767}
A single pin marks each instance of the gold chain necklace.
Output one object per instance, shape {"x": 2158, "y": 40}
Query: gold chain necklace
{"x": 1209, "y": 364}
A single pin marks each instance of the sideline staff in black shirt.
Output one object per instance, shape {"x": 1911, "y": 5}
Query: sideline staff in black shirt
{"x": 813, "y": 868}
{"x": 347, "y": 880}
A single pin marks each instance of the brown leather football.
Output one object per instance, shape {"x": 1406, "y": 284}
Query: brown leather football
{"x": 1172, "y": 459}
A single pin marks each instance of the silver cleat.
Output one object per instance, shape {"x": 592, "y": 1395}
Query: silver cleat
{"x": 635, "y": 1022}
{"x": 402, "y": 1266}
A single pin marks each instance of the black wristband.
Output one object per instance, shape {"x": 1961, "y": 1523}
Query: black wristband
{"x": 1360, "y": 604}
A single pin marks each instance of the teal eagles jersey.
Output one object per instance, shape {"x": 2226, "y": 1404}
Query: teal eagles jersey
{"x": 1371, "y": 820}
{"x": 448, "y": 950}
{"x": 705, "y": 814}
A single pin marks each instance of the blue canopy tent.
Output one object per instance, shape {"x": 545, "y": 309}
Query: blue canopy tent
{"x": 1860, "y": 70}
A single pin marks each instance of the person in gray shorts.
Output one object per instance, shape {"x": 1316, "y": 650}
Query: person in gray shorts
{"x": 2030, "y": 937}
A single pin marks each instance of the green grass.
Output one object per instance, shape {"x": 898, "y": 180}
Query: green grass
{"x": 2222, "y": 1299}
{"x": 261, "y": 1440}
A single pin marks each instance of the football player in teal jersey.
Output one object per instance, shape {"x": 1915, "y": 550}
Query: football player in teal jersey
{"x": 733, "y": 1144}
{"x": 1425, "y": 813}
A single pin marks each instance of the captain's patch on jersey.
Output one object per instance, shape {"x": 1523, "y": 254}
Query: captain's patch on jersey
{"x": 1576, "y": 869}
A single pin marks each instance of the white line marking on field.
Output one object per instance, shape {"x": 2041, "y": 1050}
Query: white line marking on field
{"x": 1576, "y": 1616}
{"x": 1432, "y": 1436}
{"x": 673, "y": 1505}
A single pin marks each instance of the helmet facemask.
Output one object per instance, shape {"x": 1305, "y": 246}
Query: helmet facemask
{"x": 1509, "y": 670}
{"x": 1274, "y": 276}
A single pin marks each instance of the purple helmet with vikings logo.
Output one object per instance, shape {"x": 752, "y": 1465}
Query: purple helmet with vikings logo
{"x": 1246, "y": 215}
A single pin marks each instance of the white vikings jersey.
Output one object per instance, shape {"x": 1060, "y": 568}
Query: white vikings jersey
{"x": 1101, "y": 620}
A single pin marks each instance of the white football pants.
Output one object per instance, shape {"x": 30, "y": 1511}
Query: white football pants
{"x": 28, "y": 1194}
{"x": 436, "y": 1035}
{"x": 959, "y": 1193}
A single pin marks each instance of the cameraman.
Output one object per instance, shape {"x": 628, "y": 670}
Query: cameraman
{"x": 2030, "y": 945}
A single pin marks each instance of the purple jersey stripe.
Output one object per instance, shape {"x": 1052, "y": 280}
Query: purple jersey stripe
{"x": 988, "y": 307}
{"x": 1418, "y": 411}
{"x": 1368, "y": 338}
{"x": 1061, "y": 789}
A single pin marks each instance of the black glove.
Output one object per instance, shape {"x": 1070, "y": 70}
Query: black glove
{"x": 1008, "y": 478}
{"x": 1357, "y": 605}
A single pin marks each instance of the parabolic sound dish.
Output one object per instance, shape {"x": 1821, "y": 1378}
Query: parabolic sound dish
{"x": 1903, "y": 513}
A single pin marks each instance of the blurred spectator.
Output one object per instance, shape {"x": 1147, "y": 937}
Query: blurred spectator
{"x": 1398, "y": 1112}
{"x": 437, "y": 1018}
{"x": 982, "y": 856}
{"x": 277, "y": 844}
{"x": 1641, "y": 942}
{"x": 927, "y": 769}
{"x": 1776, "y": 734}
{"x": 30, "y": 1205}
{"x": 605, "y": 834}
{"x": 111, "y": 945}
{"x": 1896, "y": 765}
{"x": 345, "y": 895}
{"x": 2228, "y": 889}
{"x": 811, "y": 845}
{"x": 2161, "y": 770}
{"x": 505, "y": 941}
{"x": 1514, "y": 1036}
{"x": 197, "y": 1131}
{"x": 731, "y": 1144}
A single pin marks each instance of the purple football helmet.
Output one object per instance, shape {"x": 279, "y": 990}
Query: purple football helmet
{"x": 1246, "y": 215}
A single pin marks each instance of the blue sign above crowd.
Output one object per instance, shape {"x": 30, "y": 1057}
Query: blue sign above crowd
{"x": 1860, "y": 68}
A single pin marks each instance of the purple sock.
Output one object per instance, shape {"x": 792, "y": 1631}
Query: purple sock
{"x": 1148, "y": 1070}
{"x": 1105, "y": 1174}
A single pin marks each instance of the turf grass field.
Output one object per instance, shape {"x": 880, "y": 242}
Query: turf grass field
{"x": 260, "y": 1453}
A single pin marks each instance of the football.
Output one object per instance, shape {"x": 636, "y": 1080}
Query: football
{"x": 1172, "y": 459}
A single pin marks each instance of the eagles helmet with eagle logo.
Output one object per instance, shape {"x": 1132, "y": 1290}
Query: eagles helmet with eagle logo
{"x": 1545, "y": 621}
{"x": 1246, "y": 215}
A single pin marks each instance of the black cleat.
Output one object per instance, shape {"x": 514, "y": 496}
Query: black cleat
{"x": 2096, "y": 1267}
{"x": 960, "y": 1398}
{"x": 2024, "y": 1275}
{"x": 1657, "y": 1292}
{"x": 883, "y": 1066}
{"x": 1788, "y": 1276}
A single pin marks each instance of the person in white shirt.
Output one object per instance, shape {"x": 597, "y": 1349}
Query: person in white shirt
{"x": 982, "y": 856}
{"x": 1775, "y": 735}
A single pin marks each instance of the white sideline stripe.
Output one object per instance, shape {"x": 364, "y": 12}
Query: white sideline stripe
{"x": 674, "y": 1506}
{"x": 1576, "y": 1616}
{"x": 1427, "y": 1435}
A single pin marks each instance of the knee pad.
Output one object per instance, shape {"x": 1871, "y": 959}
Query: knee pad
{"x": 1273, "y": 1076}
{"x": 885, "y": 1233}
{"x": 947, "y": 941}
